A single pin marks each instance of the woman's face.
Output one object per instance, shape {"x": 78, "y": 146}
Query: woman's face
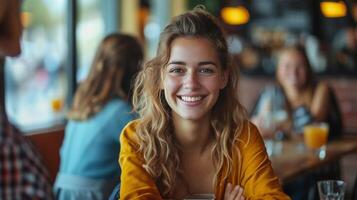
{"x": 192, "y": 78}
{"x": 291, "y": 69}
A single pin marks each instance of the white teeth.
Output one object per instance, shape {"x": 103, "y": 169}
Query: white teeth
{"x": 191, "y": 99}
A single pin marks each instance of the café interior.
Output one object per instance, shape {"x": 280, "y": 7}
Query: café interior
{"x": 60, "y": 38}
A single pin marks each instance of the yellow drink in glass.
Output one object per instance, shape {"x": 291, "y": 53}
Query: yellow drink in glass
{"x": 315, "y": 135}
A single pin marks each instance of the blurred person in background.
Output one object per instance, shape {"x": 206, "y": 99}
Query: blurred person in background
{"x": 22, "y": 173}
{"x": 296, "y": 99}
{"x": 101, "y": 108}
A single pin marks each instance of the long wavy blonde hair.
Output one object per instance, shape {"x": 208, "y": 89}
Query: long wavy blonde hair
{"x": 115, "y": 64}
{"x": 155, "y": 130}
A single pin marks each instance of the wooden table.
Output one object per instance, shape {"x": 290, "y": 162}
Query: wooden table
{"x": 294, "y": 160}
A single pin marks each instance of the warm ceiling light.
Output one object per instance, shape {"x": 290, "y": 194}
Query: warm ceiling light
{"x": 235, "y": 15}
{"x": 332, "y": 9}
{"x": 26, "y": 19}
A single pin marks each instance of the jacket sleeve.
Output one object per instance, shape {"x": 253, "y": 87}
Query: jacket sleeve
{"x": 136, "y": 183}
{"x": 258, "y": 178}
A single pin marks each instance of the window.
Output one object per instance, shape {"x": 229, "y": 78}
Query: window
{"x": 90, "y": 31}
{"x": 36, "y": 81}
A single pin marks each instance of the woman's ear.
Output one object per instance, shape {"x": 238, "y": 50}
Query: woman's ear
{"x": 224, "y": 80}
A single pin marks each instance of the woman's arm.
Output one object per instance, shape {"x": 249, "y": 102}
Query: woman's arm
{"x": 136, "y": 183}
{"x": 257, "y": 176}
{"x": 320, "y": 102}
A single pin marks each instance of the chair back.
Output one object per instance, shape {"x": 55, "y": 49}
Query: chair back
{"x": 334, "y": 117}
{"x": 354, "y": 189}
{"x": 115, "y": 195}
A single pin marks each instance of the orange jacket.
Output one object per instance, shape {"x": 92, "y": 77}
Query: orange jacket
{"x": 257, "y": 177}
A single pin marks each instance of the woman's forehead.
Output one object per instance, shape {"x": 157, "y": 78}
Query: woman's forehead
{"x": 193, "y": 49}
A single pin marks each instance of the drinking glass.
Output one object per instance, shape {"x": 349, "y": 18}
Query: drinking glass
{"x": 315, "y": 138}
{"x": 331, "y": 189}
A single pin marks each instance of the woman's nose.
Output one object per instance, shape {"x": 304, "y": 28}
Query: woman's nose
{"x": 296, "y": 71}
{"x": 191, "y": 81}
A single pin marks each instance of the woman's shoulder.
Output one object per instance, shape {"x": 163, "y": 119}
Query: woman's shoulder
{"x": 249, "y": 133}
{"x": 249, "y": 140}
{"x": 322, "y": 85}
{"x": 118, "y": 104}
{"x": 117, "y": 109}
{"x": 322, "y": 88}
{"x": 128, "y": 134}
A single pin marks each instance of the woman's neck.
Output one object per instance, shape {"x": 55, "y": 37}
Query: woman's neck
{"x": 292, "y": 91}
{"x": 298, "y": 96}
{"x": 193, "y": 135}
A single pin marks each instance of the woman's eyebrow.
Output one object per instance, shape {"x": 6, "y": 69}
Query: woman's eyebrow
{"x": 207, "y": 63}
{"x": 176, "y": 63}
{"x": 200, "y": 63}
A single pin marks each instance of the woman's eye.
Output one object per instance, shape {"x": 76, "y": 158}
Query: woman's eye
{"x": 206, "y": 70}
{"x": 176, "y": 70}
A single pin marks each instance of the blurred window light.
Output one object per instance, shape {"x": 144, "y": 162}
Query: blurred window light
{"x": 36, "y": 79}
{"x": 333, "y": 9}
{"x": 90, "y": 31}
{"x": 237, "y": 15}
{"x": 152, "y": 30}
{"x": 26, "y": 19}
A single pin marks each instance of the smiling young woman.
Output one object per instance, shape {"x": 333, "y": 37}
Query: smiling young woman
{"x": 192, "y": 84}
{"x": 193, "y": 136}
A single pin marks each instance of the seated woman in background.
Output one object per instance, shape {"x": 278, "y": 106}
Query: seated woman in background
{"x": 101, "y": 108}
{"x": 297, "y": 99}
{"x": 294, "y": 101}
{"x": 193, "y": 136}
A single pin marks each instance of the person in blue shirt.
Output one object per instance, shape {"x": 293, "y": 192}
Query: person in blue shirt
{"x": 101, "y": 108}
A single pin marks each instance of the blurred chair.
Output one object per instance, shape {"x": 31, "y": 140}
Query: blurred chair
{"x": 335, "y": 117}
{"x": 115, "y": 193}
{"x": 354, "y": 189}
